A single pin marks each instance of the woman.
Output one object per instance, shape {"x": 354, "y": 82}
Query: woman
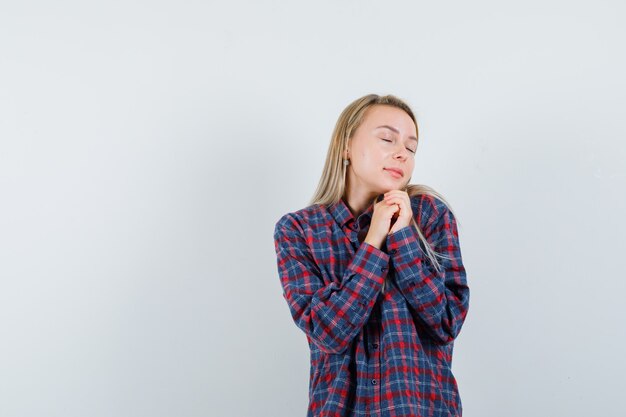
{"x": 372, "y": 273}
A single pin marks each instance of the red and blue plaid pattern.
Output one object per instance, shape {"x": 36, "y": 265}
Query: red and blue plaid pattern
{"x": 375, "y": 353}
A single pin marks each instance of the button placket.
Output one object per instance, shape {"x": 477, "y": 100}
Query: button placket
{"x": 375, "y": 357}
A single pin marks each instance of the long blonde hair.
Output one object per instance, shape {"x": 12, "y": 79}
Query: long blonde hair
{"x": 332, "y": 184}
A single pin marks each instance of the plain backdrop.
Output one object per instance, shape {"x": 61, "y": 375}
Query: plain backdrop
{"x": 147, "y": 149}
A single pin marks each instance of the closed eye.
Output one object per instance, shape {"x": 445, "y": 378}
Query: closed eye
{"x": 409, "y": 149}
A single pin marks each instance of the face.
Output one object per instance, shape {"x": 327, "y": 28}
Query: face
{"x": 385, "y": 141}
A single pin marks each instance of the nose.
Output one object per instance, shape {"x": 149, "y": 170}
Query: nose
{"x": 402, "y": 153}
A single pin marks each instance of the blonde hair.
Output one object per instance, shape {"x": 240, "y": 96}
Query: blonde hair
{"x": 332, "y": 184}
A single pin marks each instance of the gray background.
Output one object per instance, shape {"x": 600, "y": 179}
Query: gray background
{"x": 148, "y": 148}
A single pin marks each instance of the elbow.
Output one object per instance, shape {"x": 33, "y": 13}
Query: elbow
{"x": 450, "y": 330}
{"x": 443, "y": 336}
{"x": 443, "y": 339}
{"x": 334, "y": 342}
{"x": 452, "y": 320}
{"x": 326, "y": 338}
{"x": 332, "y": 338}
{"x": 323, "y": 338}
{"x": 332, "y": 348}
{"x": 447, "y": 330}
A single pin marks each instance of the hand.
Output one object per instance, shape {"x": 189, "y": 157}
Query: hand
{"x": 404, "y": 214}
{"x": 380, "y": 223}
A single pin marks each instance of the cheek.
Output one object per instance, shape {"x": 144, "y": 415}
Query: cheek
{"x": 370, "y": 161}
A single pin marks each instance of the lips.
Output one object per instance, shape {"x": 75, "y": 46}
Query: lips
{"x": 397, "y": 170}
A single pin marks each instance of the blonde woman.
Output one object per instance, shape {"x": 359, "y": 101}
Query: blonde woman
{"x": 372, "y": 273}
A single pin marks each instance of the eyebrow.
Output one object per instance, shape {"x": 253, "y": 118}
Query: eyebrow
{"x": 396, "y": 130}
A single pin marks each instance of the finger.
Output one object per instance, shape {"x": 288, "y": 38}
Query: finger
{"x": 392, "y": 208}
{"x": 401, "y": 195}
{"x": 402, "y": 205}
{"x": 395, "y": 199}
{"x": 396, "y": 203}
{"x": 398, "y": 192}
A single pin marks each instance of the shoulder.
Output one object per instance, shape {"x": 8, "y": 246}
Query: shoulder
{"x": 428, "y": 209}
{"x": 300, "y": 220}
{"x": 429, "y": 202}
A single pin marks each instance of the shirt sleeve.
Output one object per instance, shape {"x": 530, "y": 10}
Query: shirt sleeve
{"x": 330, "y": 314}
{"x": 439, "y": 300}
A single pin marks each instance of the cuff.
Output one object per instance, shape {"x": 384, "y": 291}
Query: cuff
{"x": 404, "y": 247}
{"x": 372, "y": 264}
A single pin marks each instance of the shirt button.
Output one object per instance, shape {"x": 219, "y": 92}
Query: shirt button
{"x": 374, "y": 382}
{"x": 375, "y": 345}
{"x": 384, "y": 268}
{"x": 393, "y": 251}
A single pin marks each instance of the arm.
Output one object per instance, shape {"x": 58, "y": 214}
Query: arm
{"x": 438, "y": 300}
{"x": 330, "y": 314}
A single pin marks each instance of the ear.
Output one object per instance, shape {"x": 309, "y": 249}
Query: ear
{"x": 346, "y": 152}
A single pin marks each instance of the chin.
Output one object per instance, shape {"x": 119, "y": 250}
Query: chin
{"x": 397, "y": 185}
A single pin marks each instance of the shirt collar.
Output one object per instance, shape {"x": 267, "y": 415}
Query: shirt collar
{"x": 343, "y": 215}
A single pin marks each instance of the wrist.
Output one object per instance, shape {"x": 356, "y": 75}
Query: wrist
{"x": 377, "y": 243}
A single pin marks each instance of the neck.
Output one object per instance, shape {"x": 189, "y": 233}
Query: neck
{"x": 358, "y": 201}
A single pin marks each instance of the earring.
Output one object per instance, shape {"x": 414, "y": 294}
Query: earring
{"x": 346, "y": 162}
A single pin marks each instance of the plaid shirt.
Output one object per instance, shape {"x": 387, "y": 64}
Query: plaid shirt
{"x": 375, "y": 353}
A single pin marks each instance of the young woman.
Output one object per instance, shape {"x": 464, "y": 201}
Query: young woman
{"x": 372, "y": 274}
